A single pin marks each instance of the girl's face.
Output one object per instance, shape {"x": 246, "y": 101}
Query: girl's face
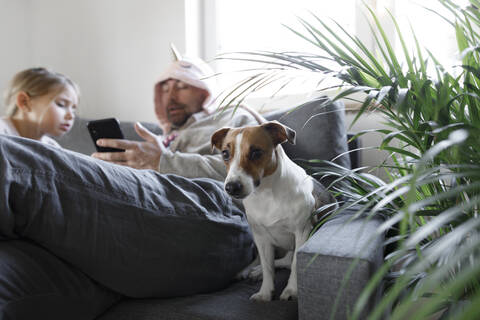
{"x": 54, "y": 114}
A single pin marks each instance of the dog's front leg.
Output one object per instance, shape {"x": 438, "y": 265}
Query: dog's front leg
{"x": 291, "y": 290}
{"x": 266, "y": 254}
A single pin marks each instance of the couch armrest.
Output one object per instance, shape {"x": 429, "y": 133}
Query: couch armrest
{"x": 326, "y": 257}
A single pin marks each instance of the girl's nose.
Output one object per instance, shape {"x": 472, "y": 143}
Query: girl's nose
{"x": 70, "y": 114}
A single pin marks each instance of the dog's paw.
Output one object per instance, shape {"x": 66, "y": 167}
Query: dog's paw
{"x": 261, "y": 296}
{"x": 242, "y": 275}
{"x": 255, "y": 273}
{"x": 289, "y": 294}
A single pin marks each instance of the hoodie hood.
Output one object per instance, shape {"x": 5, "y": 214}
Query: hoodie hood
{"x": 194, "y": 72}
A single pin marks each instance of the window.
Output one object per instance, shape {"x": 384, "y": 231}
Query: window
{"x": 248, "y": 25}
{"x": 257, "y": 25}
{"x": 430, "y": 29}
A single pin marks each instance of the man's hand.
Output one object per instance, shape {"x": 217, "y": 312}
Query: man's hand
{"x": 138, "y": 154}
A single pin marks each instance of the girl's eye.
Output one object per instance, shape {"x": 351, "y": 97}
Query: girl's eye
{"x": 225, "y": 155}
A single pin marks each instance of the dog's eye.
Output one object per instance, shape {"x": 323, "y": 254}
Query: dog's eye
{"x": 226, "y": 155}
{"x": 255, "y": 154}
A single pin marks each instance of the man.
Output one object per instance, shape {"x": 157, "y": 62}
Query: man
{"x": 170, "y": 231}
{"x": 185, "y": 109}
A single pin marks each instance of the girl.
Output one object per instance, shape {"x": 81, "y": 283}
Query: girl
{"x": 40, "y": 103}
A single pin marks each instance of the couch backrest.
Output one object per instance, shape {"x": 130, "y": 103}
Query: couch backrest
{"x": 78, "y": 139}
{"x": 319, "y": 124}
{"x": 320, "y": 128}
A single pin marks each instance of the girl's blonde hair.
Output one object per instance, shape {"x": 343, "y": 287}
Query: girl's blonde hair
{"x": 36, "y": 82}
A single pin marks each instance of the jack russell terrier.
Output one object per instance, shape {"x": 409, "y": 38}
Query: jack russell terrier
{"x": 278, "y": 196}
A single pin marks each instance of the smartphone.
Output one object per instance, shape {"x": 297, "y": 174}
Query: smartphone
{"x": 105, "y": 128}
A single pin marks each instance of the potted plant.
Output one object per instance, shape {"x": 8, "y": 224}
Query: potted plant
{"x": 431, "y": 202}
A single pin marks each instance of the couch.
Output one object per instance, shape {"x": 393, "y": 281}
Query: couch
{"x": 323, "y": 260}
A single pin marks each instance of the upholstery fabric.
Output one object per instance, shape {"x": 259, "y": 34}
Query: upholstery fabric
{"x": 35, "y": 284}
{"x": 328, "y": 257}
{"x": 232, "y": 303}
{"x": 320, "y": 128}
{"x": 79, "y": 140}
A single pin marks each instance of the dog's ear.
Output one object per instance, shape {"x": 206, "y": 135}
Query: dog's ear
{"x": 279, "y": 132}
{"x": 217, "y": 138}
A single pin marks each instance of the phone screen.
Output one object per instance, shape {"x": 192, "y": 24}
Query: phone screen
{"x": 105, "y": 128}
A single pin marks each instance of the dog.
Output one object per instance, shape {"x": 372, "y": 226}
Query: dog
{"x": 278, "y": 195}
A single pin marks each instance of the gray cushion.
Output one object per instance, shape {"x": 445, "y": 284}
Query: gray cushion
{"x": 321, "y": 134}
{"x": 36, "y": 284}
{"x": 232, "y": 303}
{"x": 79, "y": 140}
{"x": 319, "y": 124}
{"x": 320, "y": 128}
{"x": 328, "y": 256}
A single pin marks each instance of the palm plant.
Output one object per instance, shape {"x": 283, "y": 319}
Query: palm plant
{"x": 432, "y": 198}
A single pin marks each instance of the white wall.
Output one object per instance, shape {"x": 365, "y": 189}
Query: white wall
{"x": 14, "y": 40}
{"x": 114, "y": 49}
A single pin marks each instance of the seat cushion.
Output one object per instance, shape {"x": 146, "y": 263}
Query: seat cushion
{"x": 35, "y": 284}
{"x": 232, "y": 303}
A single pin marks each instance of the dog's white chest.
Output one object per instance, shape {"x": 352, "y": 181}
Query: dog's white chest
{"x": 278, "y": 215}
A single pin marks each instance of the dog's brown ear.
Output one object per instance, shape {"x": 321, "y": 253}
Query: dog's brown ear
{"x": 217, "y": 138}
{"x": 279, "y": 132}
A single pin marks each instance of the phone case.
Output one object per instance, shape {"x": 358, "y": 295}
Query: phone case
{"x": 105, "y": 128}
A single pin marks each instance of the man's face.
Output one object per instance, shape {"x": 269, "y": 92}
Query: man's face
{"x": 176, "y": 101}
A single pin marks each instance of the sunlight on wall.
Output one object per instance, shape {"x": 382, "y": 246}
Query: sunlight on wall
{"x": 431, "y": 30}
{"x": 259, "y": 25}
{"x": 262, "y": 26}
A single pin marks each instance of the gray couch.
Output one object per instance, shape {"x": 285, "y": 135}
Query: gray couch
{"x": 323, "y": 261}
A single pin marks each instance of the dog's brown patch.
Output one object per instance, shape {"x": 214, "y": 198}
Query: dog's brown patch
{"x": 224, "y": 140}
{"x": 257, "y": 150}
{"x": 257, "y": 153}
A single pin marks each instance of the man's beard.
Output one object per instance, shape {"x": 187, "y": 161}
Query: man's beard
{"x": 178, "y": 122}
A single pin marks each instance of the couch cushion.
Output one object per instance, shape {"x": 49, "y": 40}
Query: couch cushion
{"x": 319, "y": 124}
{"x": 320, "y": 128}
{"x": 35, "y": 284}
{"x": 321, "y": 134}
{"x": 79, "y": 140}
{"x": 231, "y": 303}
{"x": 325, "y": 264}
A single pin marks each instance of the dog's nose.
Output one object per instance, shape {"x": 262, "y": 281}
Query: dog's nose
{"x": 233, "y": 188}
